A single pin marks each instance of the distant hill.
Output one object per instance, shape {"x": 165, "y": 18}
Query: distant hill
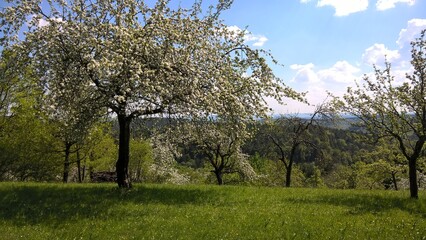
{"x": 345, "y": 123}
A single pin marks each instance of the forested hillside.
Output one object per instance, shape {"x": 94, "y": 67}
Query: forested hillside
{"x": 336, "y": 157}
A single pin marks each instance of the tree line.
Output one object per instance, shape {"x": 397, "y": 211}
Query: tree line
{"x": 329, "y": 155}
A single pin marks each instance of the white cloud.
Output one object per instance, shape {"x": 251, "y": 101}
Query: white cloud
{"x": 42, "y": 23}
{"x": 400, "y": 58}
{"x": 305, "y": 73}
{"x": 335, "y": 79}
{"x": 234, "y": 29}
{"x": 302, "y": 66}
{"x": 259, "y": 40}
{"x": 376, "y": 54}
{"x": 414, "y": 27}
{"x": 346, "y": 7}
{"x": 382, "y": 5}
{"x": 255, "y": 39}
{"x": 340, "y": 72}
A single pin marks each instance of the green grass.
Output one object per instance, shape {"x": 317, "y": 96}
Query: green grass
{"x": 101, "y": 211}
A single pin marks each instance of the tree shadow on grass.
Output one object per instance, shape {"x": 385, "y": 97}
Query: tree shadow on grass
{"x": 60, "y": 204}
{"x": 363, "y": 203}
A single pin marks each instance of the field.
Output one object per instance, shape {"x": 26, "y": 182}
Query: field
{"x": 101, "y": 211}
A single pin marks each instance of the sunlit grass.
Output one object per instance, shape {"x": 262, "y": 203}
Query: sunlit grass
{"x": 90, "y": 211}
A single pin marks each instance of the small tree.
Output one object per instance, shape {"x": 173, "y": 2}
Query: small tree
{"x": 142, "y": 157}
{"x": 386, "y": 162}
{"x": 102, "y": 151}
{"x": 288, "y": 134}
{"x": 220, "y": 140}
{"x": 397, "y": 111}
{"x": 93, "y": 145}
{"x": 73, "y": 119}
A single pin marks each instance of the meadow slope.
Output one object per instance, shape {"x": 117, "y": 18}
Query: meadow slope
{"x": 101, "y": 211}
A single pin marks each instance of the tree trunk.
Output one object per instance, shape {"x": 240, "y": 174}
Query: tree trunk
{"x": 395, "y": 183}
{"x": 219, "y": 175}
{"x": 138, "y": 172}
{"x": 122, "y": 164}
{"x": 290, "y": 165}
{"x": 79, "y": 166}
{"x": 66, "y": 162}
{"x": 288, "y": 175}
{"x": 91, "y": 159}
{"x": 413, "y": 178}
{"x": 83, "y": 172}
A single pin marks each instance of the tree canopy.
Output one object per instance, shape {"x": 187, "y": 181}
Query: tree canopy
{"x": 391, "y": 110}
{"x": 139, "y": 60}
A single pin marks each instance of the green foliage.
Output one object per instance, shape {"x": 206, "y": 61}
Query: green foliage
{"x": 141, "y": 158}
{"x": 320, "y": 165}
{"x": 27, "y": 148}
{"x": 341, "y": 177}
{"x": 102, "y": 153}
{"x": 298, "y": 178}
{"x": 269, "y": 172}
{"x": 17, "y": 84}
{"x": 195, "y": 176}
{"x": 381, "y": 168}
{"x": 28, "y": 151}
{"x": 101, "y": 211}
{"x": 315, "y": 179}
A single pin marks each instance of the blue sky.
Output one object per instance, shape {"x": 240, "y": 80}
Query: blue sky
{"x": 326, "y": 45}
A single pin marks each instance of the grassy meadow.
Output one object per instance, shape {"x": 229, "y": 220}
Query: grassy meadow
{"x": 102, "y": 211}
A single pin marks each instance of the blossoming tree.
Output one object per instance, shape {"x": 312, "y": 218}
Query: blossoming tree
{"x": 388, "y": 110}
{"x": 220, "y": 140}
{"x": 141, "y": 59}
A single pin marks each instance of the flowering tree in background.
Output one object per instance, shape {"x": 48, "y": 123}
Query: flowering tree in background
{"x": 220, "y": 139}
{"x": 142, "y": 60}
{"x": 165, "y": 153}
{"x": 72, "y": 116}
{"x": 396, "y": 111}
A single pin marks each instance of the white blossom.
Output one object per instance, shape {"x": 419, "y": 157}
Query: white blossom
{"x": 180, "y": 62}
